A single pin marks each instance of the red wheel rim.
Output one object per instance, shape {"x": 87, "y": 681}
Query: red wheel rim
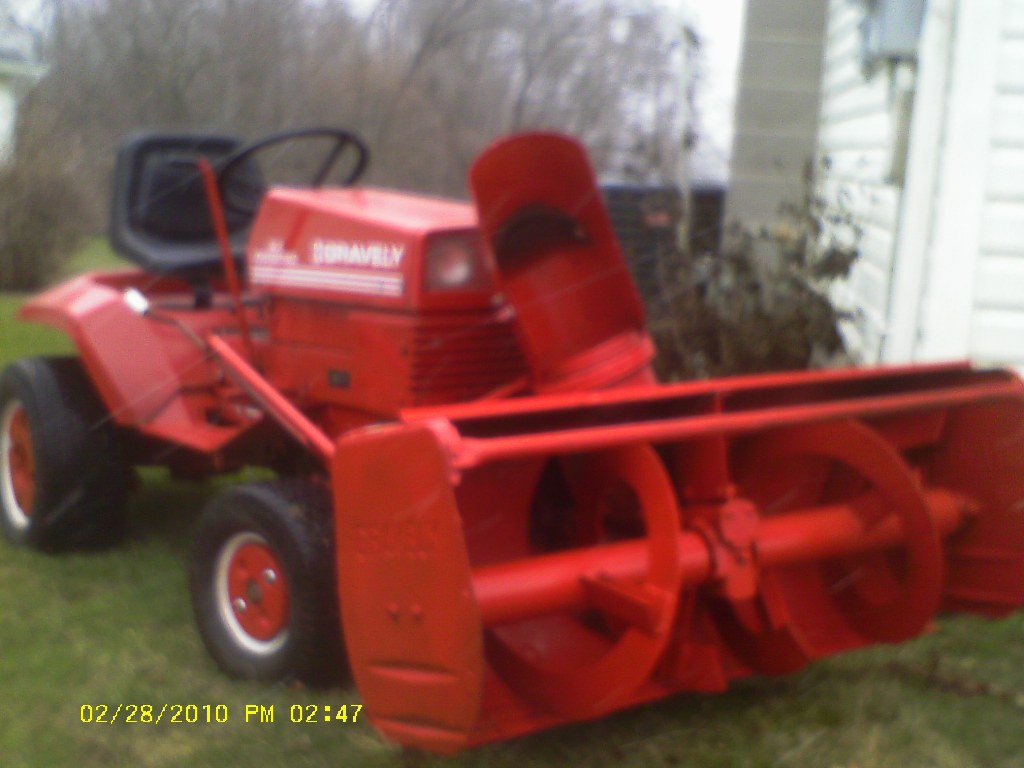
{"x": 18, "y": 464}
{"x": 252, "y": 592}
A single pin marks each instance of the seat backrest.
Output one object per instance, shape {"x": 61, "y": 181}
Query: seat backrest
{"x": 159, "y": 217}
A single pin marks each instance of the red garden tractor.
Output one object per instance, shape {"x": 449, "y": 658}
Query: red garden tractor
{"x": 486, "y": 507}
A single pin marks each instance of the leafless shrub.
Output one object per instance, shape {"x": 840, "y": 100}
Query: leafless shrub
{"x": 762, "y": 304}
{"x": 40, "y": 215}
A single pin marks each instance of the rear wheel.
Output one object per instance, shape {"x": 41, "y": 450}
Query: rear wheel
{"x": 63, "y": 479}
{"x": 262, "y": 582}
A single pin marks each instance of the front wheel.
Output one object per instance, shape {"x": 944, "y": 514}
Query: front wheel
{"x": 262, "y": 582}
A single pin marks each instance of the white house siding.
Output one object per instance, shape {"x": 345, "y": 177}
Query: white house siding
{"x": 776, "y": 108}
{"x": 997, "y": 323}
{"x": 922, "y": 191}
{"x": 857, "y": 137}
{"x": 7, "y": 104}
{"x": 17, "y": 76}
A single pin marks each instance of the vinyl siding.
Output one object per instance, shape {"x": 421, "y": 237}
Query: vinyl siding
{"x": 997, "y": 323}
{"x": 777, "y": 109}
{"x": 855, "y": 148}
{"x": 7, "y": 115}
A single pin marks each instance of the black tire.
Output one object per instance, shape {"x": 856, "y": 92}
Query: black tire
{"x": 282, "y": 527}
{"x": 80, "y": 480}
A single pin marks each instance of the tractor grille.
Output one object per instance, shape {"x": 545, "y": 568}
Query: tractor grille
{"x": 462, "y": 359}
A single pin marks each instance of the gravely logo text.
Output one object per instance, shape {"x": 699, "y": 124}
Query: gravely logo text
{"x": 376, "y": 255}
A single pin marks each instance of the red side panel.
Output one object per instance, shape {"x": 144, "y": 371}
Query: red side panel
{"x": 149, "y": 375}
{"x": 412, "y": 626}
{"x": 981, "y": 454}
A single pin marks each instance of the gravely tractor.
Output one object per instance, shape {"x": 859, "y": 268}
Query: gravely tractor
{"x": 479, "y": 480}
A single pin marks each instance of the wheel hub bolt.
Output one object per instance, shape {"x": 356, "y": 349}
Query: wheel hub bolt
{"x": 269, "y": 576}
{"x": 239, "y": 605}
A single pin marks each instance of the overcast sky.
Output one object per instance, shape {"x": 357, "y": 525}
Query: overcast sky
{"x": 720, "y": 25}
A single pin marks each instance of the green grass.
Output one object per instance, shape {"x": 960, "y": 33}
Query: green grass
{"x": 116, "y": 628}
{"x": 95, "y": 253}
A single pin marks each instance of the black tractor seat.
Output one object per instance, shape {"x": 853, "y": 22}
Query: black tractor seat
{"x": 159, "y": 217}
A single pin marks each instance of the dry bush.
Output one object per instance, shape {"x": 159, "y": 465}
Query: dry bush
{"x": 762, "y": 304}
{"x": 40, "y": 215}
{"x": 729, "y": 317}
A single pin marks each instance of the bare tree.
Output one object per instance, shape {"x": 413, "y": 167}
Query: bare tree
{"x": 427, "y": 82}
{"x": 473, "y": 69}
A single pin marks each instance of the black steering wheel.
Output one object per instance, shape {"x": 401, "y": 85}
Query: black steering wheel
{"x": 241, "y": 184}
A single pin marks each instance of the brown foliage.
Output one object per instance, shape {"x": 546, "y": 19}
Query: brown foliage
{"x": 761, "y": 304}
{"x": 728, "y": 317}
{"x": 36, "y": 228}
{"x": 39, "y": 224}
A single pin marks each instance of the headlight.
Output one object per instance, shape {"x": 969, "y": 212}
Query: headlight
{"x": 456, "y": 262}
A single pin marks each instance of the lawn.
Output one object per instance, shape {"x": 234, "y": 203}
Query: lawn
{"x": 115, "y": 627}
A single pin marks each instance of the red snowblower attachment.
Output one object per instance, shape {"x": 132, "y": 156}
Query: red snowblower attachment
{"x": 507, "y": 565}
{"x": 473, "y": 457}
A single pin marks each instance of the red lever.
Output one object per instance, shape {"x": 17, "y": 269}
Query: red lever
{"x": 220, "y": 228}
